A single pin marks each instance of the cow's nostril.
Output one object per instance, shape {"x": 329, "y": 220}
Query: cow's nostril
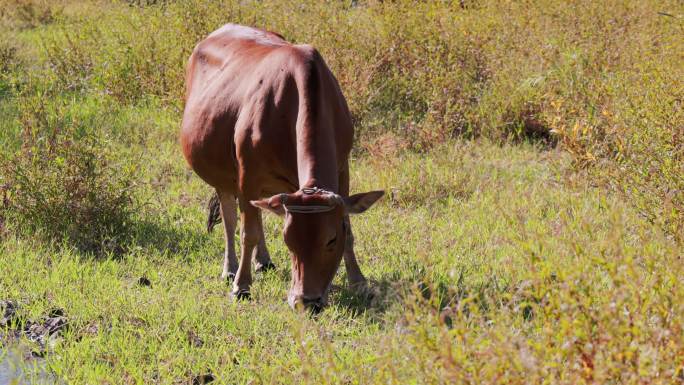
{"x": 314, "y": 305}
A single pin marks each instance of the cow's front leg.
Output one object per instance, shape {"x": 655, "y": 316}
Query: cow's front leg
{"x": 357, "y": 282}
{"x": 249, "y": 236}
{"x": 262, "y": 259}
{"x": 354, "y": 276}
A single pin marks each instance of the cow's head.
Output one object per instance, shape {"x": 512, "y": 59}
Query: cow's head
{"x": 315, "y": 232}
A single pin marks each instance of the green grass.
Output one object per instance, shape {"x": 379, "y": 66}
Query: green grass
{"x": 496, "y": 257}
{"x": 510, "y": 228}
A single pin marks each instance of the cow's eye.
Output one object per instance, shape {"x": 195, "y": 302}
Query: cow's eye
{"x": 331, "y": 242}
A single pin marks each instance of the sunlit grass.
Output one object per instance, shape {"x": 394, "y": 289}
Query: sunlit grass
{"x": 524, "y": 269}
{"x": 531, "y": 231}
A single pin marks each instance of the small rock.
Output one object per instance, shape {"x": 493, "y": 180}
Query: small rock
{"x": 8, "y": 309}
{"x": 56, "y": 324}
{"x": 203, "y": 379}
{"x": 46, "y": 332}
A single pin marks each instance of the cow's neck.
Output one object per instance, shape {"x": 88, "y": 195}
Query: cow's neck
{"x": 317, "y": 157}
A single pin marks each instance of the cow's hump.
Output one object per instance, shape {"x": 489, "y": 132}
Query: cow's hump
{"x": 240, "y": 32}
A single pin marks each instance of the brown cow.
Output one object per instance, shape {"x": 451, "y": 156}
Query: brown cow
{"x": 266, "y": 118}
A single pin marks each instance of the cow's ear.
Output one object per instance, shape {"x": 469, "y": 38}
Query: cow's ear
{"x": 358, "y": 203}
{"x": 272, "y": 204}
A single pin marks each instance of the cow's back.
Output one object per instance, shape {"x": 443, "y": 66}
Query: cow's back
{"x": 232, "y": 49}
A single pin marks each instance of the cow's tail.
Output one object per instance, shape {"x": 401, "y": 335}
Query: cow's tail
{"x": 214, "y": 212}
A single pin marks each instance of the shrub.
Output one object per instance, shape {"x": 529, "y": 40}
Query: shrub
{"x": 62, "y": 185}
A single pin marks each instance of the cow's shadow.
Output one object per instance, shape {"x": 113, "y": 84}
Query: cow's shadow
{"x": 381, "y": 294}
{"x": 166, "y": 238}
{"x": 375, "y": 300}
{"x": 149, "y": 235}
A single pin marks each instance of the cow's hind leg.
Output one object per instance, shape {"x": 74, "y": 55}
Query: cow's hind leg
{"x": 261, "y": 256}
{"x": 229, "y": 214}
{"x": 250, "y": 234}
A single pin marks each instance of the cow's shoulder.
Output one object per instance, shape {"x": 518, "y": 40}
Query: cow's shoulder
{"x": 306, "y": 58}
{"x": 309, "y": 70}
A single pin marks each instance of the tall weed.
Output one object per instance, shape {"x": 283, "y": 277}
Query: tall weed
{"x": 64, "y": 184}
{"x": 592, "y": 77}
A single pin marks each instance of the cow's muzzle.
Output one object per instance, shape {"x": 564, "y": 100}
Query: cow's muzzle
{"x": 301, "y": 303}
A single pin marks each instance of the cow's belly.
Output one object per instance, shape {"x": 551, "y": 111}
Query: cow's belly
{"x": 252, "y": 150}
{"x": 238, "y": 129}
{"x": 209, "y": 150}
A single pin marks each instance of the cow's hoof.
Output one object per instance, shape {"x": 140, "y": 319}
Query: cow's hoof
{"x": 241, "y": 295}
{"x": 262, "y": 268}
{"x": 228, "y": 277}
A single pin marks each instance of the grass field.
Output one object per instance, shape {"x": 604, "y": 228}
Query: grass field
{"x": 533, "y": 155}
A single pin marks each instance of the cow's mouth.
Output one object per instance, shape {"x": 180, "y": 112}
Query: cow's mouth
{"x": 305, "y": 303}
